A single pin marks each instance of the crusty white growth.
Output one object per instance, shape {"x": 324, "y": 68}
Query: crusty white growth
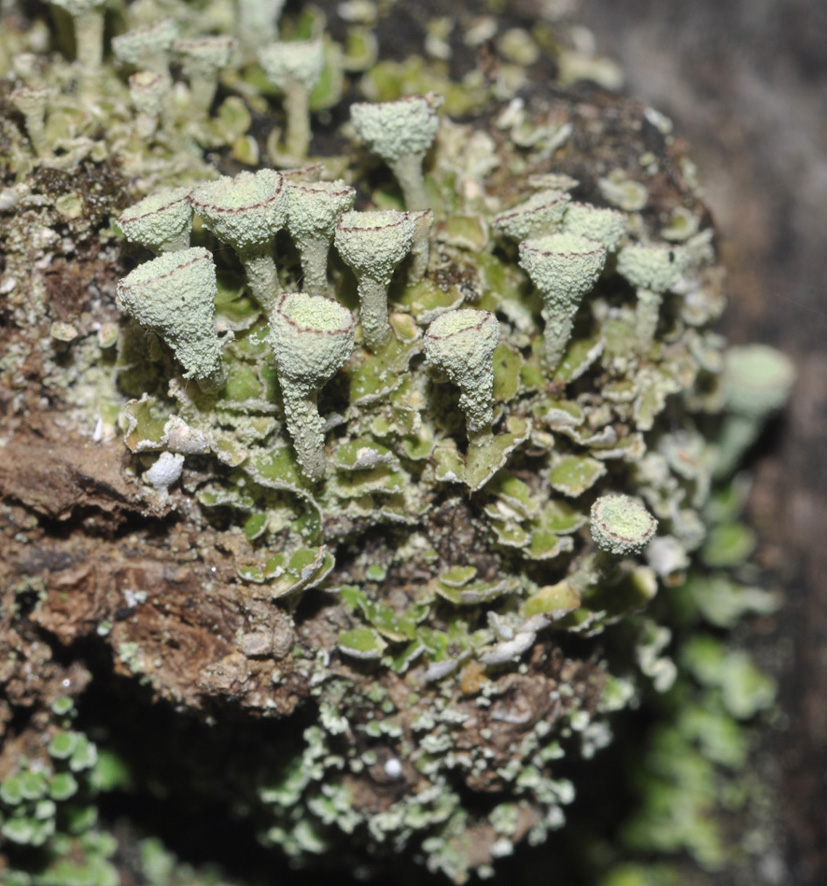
{"x": 607, "y": 226}
{"x": 166, "y": 471}
{"x": 246, "y": 212}
{"x": 201, "y": 60}
{"x": 461, "y": 343}
{"x": 313, "y": 209}
{"x": 294, "y": 68}
{"x": 161, "y": 222}
{"x": 401, "y": 133}
{"x": 373, "y": 244}
{"x": 540, "y": 214}
{"x": 621, "y": 525}
{"x": 311, "y": 338}
{"x": 564, "y": 267}
{"x": 174, "y": 296}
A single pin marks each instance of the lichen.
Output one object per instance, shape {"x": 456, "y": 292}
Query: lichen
{"x": 444, "y": 592}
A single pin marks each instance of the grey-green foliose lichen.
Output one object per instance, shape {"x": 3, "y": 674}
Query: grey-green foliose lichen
{"x": 428, "y": 542}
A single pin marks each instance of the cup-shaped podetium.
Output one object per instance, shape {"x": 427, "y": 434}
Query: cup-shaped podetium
{"x": 757, "y": 381}
{"x": 652, "y": 269}
{"x": 32, "y": 103}
{"x": 148, "y": 48}
{"x": 161, "y": 221}
{"x": 605, "y": 225}
{"x": 174, "y": 296}
{"x": 461, "y": 343}
{"x": 401, "y": 133}
{"x": 294, "y": 68}
{"x": 311, "y": 338}
{"x": 564, "y": 267}
{"x": 88, "y": 19}
{"x": 313, "y": 209}
{"x": 540, "y": 214}
{"x": 246, "y": 212}
{"x": 202, "y": 58}
{"x": 373, "y": 244}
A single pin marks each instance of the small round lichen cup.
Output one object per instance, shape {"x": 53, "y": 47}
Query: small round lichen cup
{"x": 246, "y": 212}
{"x": 311, "y": 338}
{"x": 540, "y": 214}
{"x": 564, "y": 267}
{"x": 606, "y": 226}
{"x": 174, "y": 296}
{"x": 652, "y": 269}
{"x": 401, "y": 133}
{"x": 461, "y": 343}
{"x": 373, "y": 244}
{"x": 757, "y": 381}
{"x": 148, "y": 48}
{"x": 313, "y": 209}
{"x": 161, "y": 221}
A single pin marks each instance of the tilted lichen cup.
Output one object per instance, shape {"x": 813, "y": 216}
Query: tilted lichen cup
{"x": 652, "y": 269}
{"x": 313, "y": 209}
{"x": 294, "y": 68}
{"x": 247, "y": 212}
{"x": 311, "y": 338}
{"x": 373, "y": 244}
{"x": 174, "y": 296}
{"x": 564, "y": 267}
{"x": 401, "y": 133}
{"x": 461, "y": 343}
{"x": 539, "y": 215}
{"x": 757, "y": 383}
{"x": 607, "y": 226}
{"x": 621, "y": 527}
{"x": 161, "y": 222}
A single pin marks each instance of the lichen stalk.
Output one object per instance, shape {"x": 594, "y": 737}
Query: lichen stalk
{"x": 296, "y": 105}
{"x": 647, "y": 315}
{"x": 262, "y": 276}
{"x": 373, "y": 312}
{"x": 313, "y": 253}
{"x": 89, "y": 43}
{"x": 408, "y": 172}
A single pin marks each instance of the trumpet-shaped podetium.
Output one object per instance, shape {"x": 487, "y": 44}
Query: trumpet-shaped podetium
{"x": 652, "y": 270}
{"x": 313, "y": 209}
{"x": 148, "y": 48}
{"x": 373, "y": 244}
{"x": 161, "y": 222}
{"x": 564, "y": 267}
{"x": 32, "y": 103}
{"x": 246, "y": 212}
{"x": 401, "y": 133}
{"x": 201, "y": 60}
{"x": 148, "y": 90}
{"x": 294, "y": 68}
{"x": 87, "y": 18}
{"x": 311, "y": 338}
{"x": 539, "y": 215}
{"x": 757, "y": 382}
{"x": 607, "y": 226}
{"x": 174, "y": 296}
{"x": 257, "y": 22}
{"x": 461, "y": 343}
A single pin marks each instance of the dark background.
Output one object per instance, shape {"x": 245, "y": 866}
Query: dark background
{"x": 746, "y": 83}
